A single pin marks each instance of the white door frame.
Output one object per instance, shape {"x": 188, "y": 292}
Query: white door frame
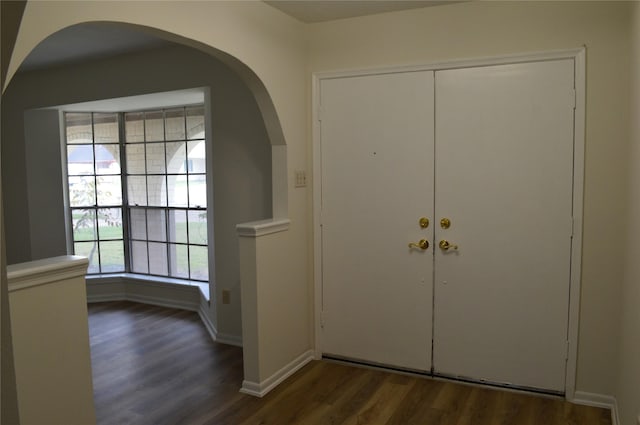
{"x": 579, "y": 57}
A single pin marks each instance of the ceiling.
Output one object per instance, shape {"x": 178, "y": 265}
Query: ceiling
{"x": 101, "y": 40}
{"x": 311, "y": 11}
{"x": 88, "y": 42}
{"x": 141, "y": 102}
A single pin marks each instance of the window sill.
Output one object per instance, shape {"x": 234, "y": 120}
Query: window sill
{"x": 204, "y": 286}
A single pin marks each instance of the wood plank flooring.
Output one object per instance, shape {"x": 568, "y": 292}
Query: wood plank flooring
{"x": 153, "y": 365}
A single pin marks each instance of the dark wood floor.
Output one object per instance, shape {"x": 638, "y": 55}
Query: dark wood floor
{"x": 154, "y": 365}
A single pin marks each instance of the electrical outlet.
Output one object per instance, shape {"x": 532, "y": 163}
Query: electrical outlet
{"x": 301, "y": 178}
{"x": 226, "y": 296}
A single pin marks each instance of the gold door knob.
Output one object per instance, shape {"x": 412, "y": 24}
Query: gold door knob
{"x": 446, "y": 245}
{"x": 445, "y": 223}
{"x": 422, "y": 244}
{"x": 424, "y": 222}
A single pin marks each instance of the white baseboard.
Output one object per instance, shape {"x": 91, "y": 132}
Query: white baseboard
{"x": 615, "y": 416}
{"x": 260, "y": 389}
{"x": 110, "y": 290}
{"x": 235, "y": 340}
{"x": 147, "y": 292}
{"x": 598, "y": 400}
{"x": 182, "y": 297}
{"x": 229, "y": 339}
{"x": 162, "y": 302}
{"x": 101, "y": 298}
{"x": 208, "y": 324}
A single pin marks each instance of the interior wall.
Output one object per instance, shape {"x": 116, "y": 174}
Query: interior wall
{"x": 42, "y": 146}
{"x": 241, "y": 160}
{"x": 489, "y": 29}
{"x": 11, "y": 12}
{"x": 273, "y": 46}
{"x": 10, "y": 15}
{"x": 628, "y": 388}
{"x": 268, "y": 51}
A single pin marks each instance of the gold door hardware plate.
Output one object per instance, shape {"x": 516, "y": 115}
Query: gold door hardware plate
{"x": 446, "y": 245}
{"x": 422, "y": 244}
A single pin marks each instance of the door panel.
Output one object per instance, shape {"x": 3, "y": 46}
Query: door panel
{"x": 377, "y": 181}
{"x": 504, "y": 173}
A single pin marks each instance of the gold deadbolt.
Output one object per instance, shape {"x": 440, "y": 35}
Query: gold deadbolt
{"x": 424, "y": 222}
{"x": 422, "y": 244}
{"x": 445, "y": 223}
{"x": 446, "y": 245}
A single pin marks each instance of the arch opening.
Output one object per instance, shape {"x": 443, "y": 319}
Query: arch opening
{"x": 270, "y": 126}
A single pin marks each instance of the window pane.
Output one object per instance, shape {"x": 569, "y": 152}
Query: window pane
{"x": 178, "y": 226}
{"x": 139, "y": 263}
{"x": 157, "y": 225}
{"x": 158, "y": 258}
{"x": 137, "y": 223}
{"x": 135, "y": 158}
{"x": 177, "y": 191}
{"x": 110, "y": 223}
{"x": 174, "y": 124}
{"x": 134, "y": 127}
{"x": 82, "y": 191}
{"x": 195, "y": 122}
{"x": 112, "y": 256}
{"x": 155, "y": 158}
{"x": 176, "y": 157}
{"x": 84, "y": 225}
{"x": 157, "y": 191}
{"x": 105, "y": 128}
{"x": 137, "y": 190}
{"x": 154, "y": 126}
{"x": 198, "y": 227}
{"x": 109, "y": 190}
{"x": 197, "y": 191}
{"x": 198, "y": 262}
{"x": 197, "y": 157}
{"x": 166, "y": 191}
{"x": 107, "y": 159}
{"x": 78, "y": 127}
{"x": 89, "y": 250}
{"x": 79, "y": 160}
{"x": 179, "y": 261}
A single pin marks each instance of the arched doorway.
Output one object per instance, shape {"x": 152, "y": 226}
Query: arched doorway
{"x": 266, "y": 50}
{"x": 227, "y": 145}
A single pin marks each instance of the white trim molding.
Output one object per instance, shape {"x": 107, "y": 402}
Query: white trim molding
{"x": 161, "y": 301}
{"x": 452, "y": 64}
{"x": 260, "y": 389}
{"x": 49, "y": 270}
{"x": 206, "y": 321}
{"x": 579, "y": 128}
{"x": 222, "y": 338}
{"x": 598, "y": 400}
{"x": 229, "y": 339}
{"x": 256, "y": 229}
{"x": 117, "y": 288}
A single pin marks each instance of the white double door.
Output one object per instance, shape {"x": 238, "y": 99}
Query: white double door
{"x": 491, "y": 150}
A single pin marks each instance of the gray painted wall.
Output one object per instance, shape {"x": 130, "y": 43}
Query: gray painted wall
{"x": 42, "y": 148}
{"x": 31, "y": 173}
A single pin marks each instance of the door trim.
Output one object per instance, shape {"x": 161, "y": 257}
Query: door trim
{"x": 579, "y": 57}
